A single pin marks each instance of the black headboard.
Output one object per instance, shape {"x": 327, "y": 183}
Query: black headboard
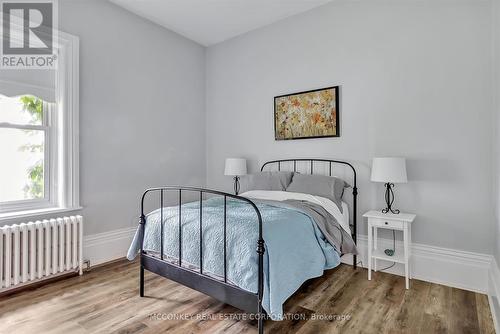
{"x": 330, "y": 164}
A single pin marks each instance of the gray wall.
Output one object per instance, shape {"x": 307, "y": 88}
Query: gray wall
{"x": 142, "y": 116}
{"x": 416, "y": 82}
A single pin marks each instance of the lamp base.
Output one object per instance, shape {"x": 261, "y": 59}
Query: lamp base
{"x": 236, "y": 185}
{"x": 389, "y": 199}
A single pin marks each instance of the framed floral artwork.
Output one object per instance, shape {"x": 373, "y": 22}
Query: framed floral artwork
{"x": 309, "y": 114}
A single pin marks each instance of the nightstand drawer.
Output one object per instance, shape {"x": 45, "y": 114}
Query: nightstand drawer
{"x": 387, "y": 223}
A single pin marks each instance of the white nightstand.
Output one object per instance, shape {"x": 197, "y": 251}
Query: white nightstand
{"x": 400, "y": 222}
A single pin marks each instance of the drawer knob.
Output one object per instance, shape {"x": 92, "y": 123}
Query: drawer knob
{"x": 386, "y": 223}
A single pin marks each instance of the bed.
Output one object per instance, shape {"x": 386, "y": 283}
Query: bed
{"x": 242, "y": 250}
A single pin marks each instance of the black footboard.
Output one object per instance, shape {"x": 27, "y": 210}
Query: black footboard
{"x": 217, "y": 288}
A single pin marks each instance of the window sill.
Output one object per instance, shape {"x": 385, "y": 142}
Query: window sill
{"x": 34, "y": 213}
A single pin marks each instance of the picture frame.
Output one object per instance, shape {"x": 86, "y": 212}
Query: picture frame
{"x": 307, "y": 114}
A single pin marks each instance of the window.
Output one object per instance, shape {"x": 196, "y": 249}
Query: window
{"x": 39, "y": 140}
{"x": 25, "y": 143}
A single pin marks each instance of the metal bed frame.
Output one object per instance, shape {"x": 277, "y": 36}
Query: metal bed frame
{"x": 196, "y": 279}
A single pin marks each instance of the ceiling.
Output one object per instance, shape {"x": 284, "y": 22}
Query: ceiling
{"x": 212, "y": 21}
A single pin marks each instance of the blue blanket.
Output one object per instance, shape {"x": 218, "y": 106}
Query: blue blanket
{"x": 295, "y": 248}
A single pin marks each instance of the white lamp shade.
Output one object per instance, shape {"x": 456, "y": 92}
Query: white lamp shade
{"x": 389, "y": 170}
{"x": 235, "y": 167}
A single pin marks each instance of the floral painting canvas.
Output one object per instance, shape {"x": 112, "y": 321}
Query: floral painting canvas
{"x": 310, "y": 114}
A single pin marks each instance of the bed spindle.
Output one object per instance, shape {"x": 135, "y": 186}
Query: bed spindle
{"x": 201, "y": 232}
{"x": 354, "y": 220}
{"x": 180, "y": 227}
{"x": 161, "y": 224}
{"x": 225, "y": 242}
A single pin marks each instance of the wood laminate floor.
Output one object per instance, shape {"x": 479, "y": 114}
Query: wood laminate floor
{"x": 106, "y": 300}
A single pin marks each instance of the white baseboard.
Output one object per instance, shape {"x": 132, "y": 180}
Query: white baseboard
{"x": 494, "y": 293}
{"x": 451, "y": 267}
{"x": 107, "y": 246}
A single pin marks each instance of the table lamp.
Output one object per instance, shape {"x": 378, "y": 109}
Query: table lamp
{"x": 389, "y": 171}
{"x": 236, "y": 167}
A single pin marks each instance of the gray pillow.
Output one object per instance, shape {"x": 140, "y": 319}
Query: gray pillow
{"x": 319, "y": 185}
{"x": 266, "y": 181}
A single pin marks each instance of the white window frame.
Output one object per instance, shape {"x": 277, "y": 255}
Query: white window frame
{"x": 62, "y": 156}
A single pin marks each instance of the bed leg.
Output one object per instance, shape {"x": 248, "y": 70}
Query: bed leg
{"x": 141, "y": 281}
{"x": 261, "y": 323}
{"x": 260, "y": 251}
{"x": 141, "y": 271}
{"x": 354, "y": 261}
